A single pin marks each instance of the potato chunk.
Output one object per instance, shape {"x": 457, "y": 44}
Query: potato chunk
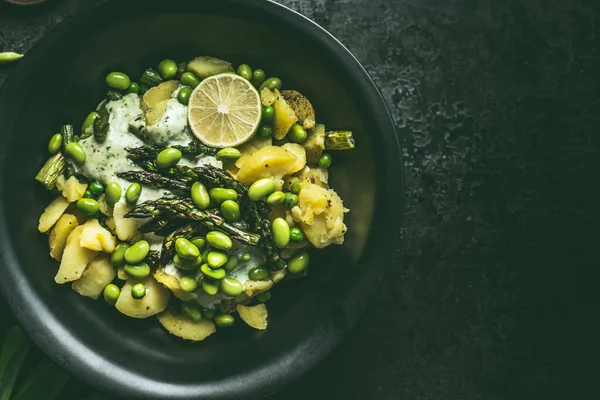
{"x": 172, "y": 283}
{"x": 75, "y": 258}
{"x": 297, "y": 151}
{"x": 158, "y": 94}
{"x": 95, "y": 237}
{"x": 155, "y": 300}
{"x": 268, "y": 162}
{"x": 322, "y": 215}
{"x": 125, "y": 228}
{"x": 99, "y": 273}
{"x": 186, "y": 328}
{"x": 284, "y": 116}
{"x": 318, "y": 176}
{"x": 73, "y": 190}
{"x": 314, "y": 143}
{"x": 52, "y": 213}
{"x": 58, "y": 237}
{"x": 301, "y": 106}
{"x": 255, "y": 316}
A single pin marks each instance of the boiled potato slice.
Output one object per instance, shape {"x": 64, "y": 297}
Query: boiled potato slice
{"x": 125, "y": 228}
{"x": 314, "y": 143}
{"x": 155, "y": 300}
{"x": 318, "y": 176}
{"x": 60, "y": 183}
{"x": 75, "y": 258}
{"x": 301, "y": 106}
{"x": 208, "y": 66}
{"x": 270, "y": 161}
{"x": 95, "y": 237}
{"x": 58, "y": 237}
{"x": 99, "y": 273}
{"x": 158, "y": 94}
{"x": 121, "y": 274}
{"x": 186, "y": 328}
{"x": 73, "y": 190}
{"x": 154, "y": 115}
{"x": 52, "y": 213}
{"x": 298, "y": 151}
{"x": 284, "y": 116}
{"x": 172, "y": 283}
{"x": 255, "y": 316}
{"x": 252, "y": 288}
{"x": 104, "y": 207}
{"x": 322, "y": 215}
{"x": 267, "y": 97}
{"x": 277, "y": 276}
{"x": 248, "y": 149}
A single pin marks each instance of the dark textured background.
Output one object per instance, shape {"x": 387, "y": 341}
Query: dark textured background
{"x": 494, "y": 293}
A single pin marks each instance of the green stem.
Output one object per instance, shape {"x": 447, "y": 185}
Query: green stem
{"x": 50, "y": 172}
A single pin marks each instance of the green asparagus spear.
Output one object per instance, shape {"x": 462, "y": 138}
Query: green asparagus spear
{"x": 68, "y": 136}
{"x": 154, "y": 180}
{"x": 14, "y": 350}
{"x": 101, "y": 123}
{"x": 339, "y": 140}
{"x": 259, "y": 215}
{"x": 219, "y": 177}
{"x": 113, "y": 95}
{"x": 168, "y": 248}
{"x": 50, "y": 172}
{"x": 45, "y": 382}
{"x": 150, "y": 78}
{"x": 150, "y": 152}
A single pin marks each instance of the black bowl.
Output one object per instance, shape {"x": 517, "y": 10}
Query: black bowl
{"x": 61, "y": 79}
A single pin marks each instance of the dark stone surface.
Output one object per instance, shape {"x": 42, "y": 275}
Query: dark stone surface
{"x": 494, "y": 291}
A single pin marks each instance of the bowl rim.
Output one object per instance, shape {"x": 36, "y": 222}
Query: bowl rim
{"x": 57, "y": 342}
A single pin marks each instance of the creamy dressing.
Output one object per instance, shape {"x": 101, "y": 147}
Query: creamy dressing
{"x": 172, "y": 128}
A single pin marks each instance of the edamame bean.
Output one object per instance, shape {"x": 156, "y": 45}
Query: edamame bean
{"x": 228, "y": 154}
{"x": 55, "y": 143}
{"x": 215, "y": 259}
{"x": 296, "y": 187}
{"x": 188, "y": 284}
{"x": 290, "y": 200}
{"x": 187, "y": 265}
{"x": 276, "y": 198}
{"x": 208, "y": 313}
{"x": 88, "y": 206}
{"x": 189, "y": 79}
{"x": 118, "y": 255}
{"x": 224, "y": 320}
{"x": 231, "y": 264}
{"x": 263, "y": 297}
{"x": 258, "y": 76}
{"x": 216, "y": 273}
{"x": 113, "y": 193}
{"x": 133, "y": 192}
{"x": 245, "y": 71}
{"x": 219, "y": 195}
{"x": 299, "y": 263}
{"x": 200, "y": 196}
{"x": 96, "y": 188}
{"x": 231, "y": 287}
{"x": 137, "y": 252}
{"x": 75, "y": 152}
{"x": 258, "y": 273}
{"x": 138, "y": 291}
{"x": 87, "y": 128}
{"x": 191, "y": 311}
{"x": 139, "y": 271}
{"x": 325, "y": 160}
{"x": 219, "y": 240}
{"x": 167, "y": 69}
{"x": 265, "y": 131}
{"x": 261, "y": 189}
{"x": 230, "y": 211}
{"x": 186, "y": 249}
{"x": 246, "y": 257}
{"x": 199, "y": 242}
{"x": 118, "y": 80}
{"x": 281, "y": 232}
{"x": 133, "y": 88}
{"x": 111, "y": 293}
{"x": 271, "y": 83}
{"x": 168, "y": 157}
{"x": 267, "y": 114}
{"x": 184, "y": 95}
{"x": 296, "y": 235}
{"x": 297, "y": 134}
{"x": 209, "y": 286}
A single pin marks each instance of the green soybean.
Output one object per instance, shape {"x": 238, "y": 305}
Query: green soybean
{"x": 138, "y": 291}
{"x": 296, "y": 187}
{"x": 258, "y": 76}
{"x": 199, "y": 242}
{"x": 267, "y": 114}
{"x": 231, "y": 287}
{"x": 184, "y": 95}
{"x": 137, "y": 252}
{"x": 186, "y": 249}
{"x": 167, "y": 69}
{"x": 258, "y": 273}
{"x": 111, "y": 293}
{"x": 133, "y": 192}
{"x": 208, "y": 313}
{"x": 246, "y": 257}
{"x": 215, "y": 259}
{"x": 87, "y": 128}
{"x": 325, "y": 160}
{"x": 219, "y": 240}
{"x": 261, "y": 189}
{"x": 75, "y": 152}
{"x": 231, "y": 264}
{"x": 213, "y": 273}
{"x": 189, "y": 79}
{"x": 230, "y": 211}
{"x": 168, "y": 157}
{"x": 271, "y": 83}
{"x": 219, "y": 195}
{"x": 118, "y": 255}
{"x": 113, "y": 193}
{"x": 209, "y": 286}
{"x": 187, "y": 265}
{"x": 55, "y": 143}
{"x": 245, "y": 71}
{"x": 297, "y": 134}
{"x": 265, "y": 131}
{"x": 118, "y": 80}
{"x": 191, "y": 311}
{"x": 88, "y": 206}
{"x": 281, "y": 232}
{"x": 96, "y": 188}
{"x": 228, "y": 154}
{"x": 263, "y": 297}
{"x": 188, "y": 284}
{"x": 138, "y": 271}
{"x": 299, "y": 263}
{"x": 224, "y": 320}
{"x": 296, "y": 235}
{"x": 133, "y": 88}
{"x": 200, "y": 196}
{"x": 290, "y": 200}
{"x": 276, "y": 198}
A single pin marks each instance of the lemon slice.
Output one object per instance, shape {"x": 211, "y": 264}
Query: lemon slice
{"x": 224, "y": 110}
